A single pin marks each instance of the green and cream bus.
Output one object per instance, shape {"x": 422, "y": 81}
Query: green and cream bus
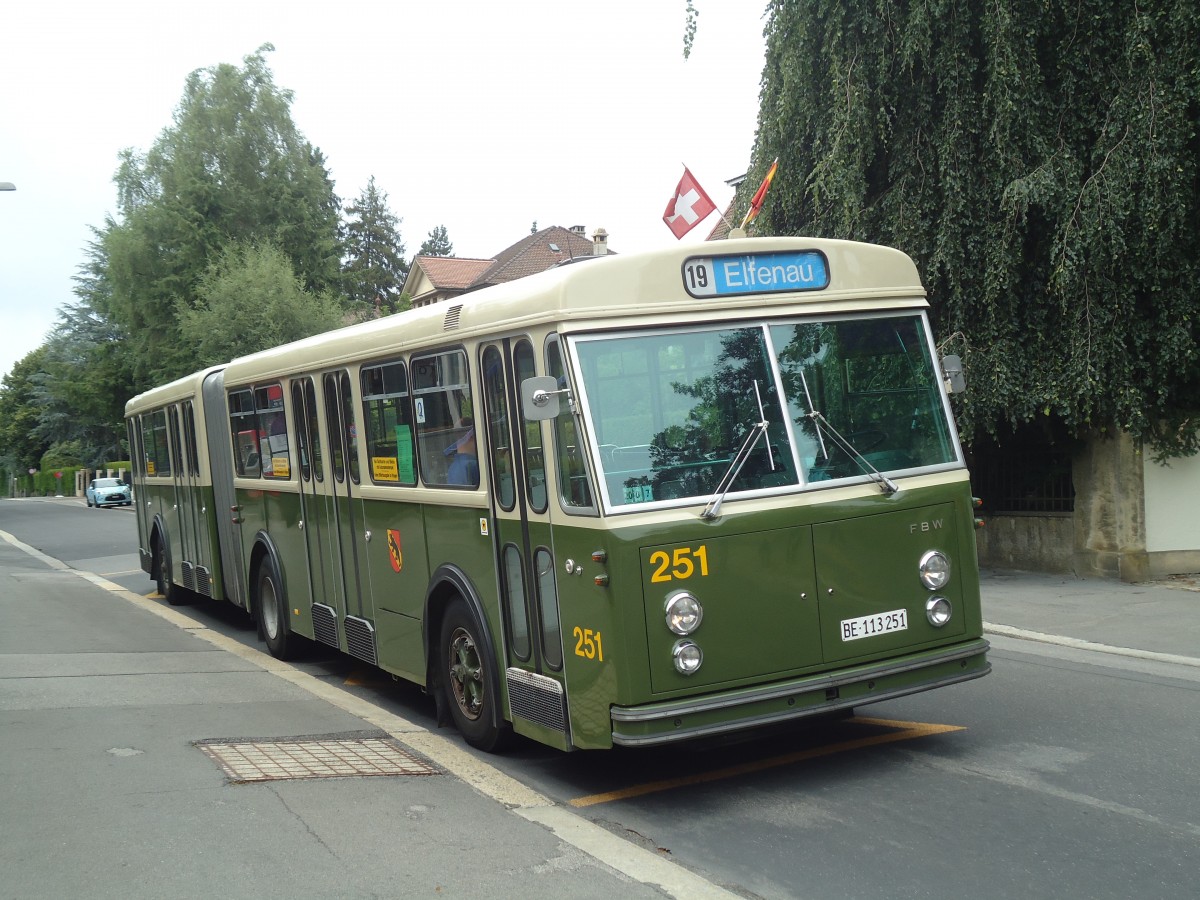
{"x": 634, "y": 500}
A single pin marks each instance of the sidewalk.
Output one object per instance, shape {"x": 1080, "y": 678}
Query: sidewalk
{"x": 1159, "y": 617}
{"x": 110, "y": 704}
{"x": 112, "y": 707}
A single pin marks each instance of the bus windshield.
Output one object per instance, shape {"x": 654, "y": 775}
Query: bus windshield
{"x": 671, "y": 409}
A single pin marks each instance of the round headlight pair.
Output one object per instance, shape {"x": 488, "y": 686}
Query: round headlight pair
{"x": 684, "y": 614}
{"x": 934, "y": 570}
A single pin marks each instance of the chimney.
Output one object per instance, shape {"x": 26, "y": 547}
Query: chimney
{"x": 580, "y": 230}
{"x": 600, "y": 242}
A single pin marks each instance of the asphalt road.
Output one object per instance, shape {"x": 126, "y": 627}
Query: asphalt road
{"x": 1065, "y": 773}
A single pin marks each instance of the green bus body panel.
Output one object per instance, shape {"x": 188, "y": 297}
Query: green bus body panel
{"x": 760, "y": 608}
{"x": 758, "y": 628}
{"x": 392, "y": 600}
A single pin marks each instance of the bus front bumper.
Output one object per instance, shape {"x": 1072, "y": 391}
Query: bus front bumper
{"x": 754, "y": 707}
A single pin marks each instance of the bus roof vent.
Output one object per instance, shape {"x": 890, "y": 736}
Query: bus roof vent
{"x": 452, "y": 315}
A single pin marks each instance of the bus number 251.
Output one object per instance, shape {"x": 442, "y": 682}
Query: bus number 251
{"x": 587, "y": 644}
{"x": 679, "y": 564}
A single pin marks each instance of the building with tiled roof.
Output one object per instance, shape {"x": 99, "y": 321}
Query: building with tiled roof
{"x": 724, "y": 225}
{"x": 432, "y": 279}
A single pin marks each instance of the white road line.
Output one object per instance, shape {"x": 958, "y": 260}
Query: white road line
{"x": 1078, "y": 644}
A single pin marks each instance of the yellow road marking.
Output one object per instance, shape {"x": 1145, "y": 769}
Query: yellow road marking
{"x": 906, "y": 731}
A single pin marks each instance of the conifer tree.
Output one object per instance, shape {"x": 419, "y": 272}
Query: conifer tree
{"x": 374, "y": 269}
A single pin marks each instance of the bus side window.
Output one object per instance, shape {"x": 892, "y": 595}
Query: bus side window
{"x": 243, "y": 425}
{"x": 445, "y": 419}
{"x": 535, "y": 465}
{"x": 573, "y": 486}
{"x": 387, "y": 417}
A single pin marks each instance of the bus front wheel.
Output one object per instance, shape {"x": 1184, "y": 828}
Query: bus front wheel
{"x": 468, "y": 683}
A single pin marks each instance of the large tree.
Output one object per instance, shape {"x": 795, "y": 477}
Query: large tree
{"x": 249, "y": 299}
{"x": 374, "y": 269}
{"x": 232, "y": 168}
{"x": 1042, "y": 164}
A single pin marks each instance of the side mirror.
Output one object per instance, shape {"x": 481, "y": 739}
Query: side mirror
{"x": 540, "y": 398}
{"x": 952, "y": 374}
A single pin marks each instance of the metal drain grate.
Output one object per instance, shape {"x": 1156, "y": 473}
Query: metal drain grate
{"x": 330, "y": 756}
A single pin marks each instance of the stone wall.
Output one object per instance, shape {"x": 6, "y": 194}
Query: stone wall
{"x": 1029, "y": 542}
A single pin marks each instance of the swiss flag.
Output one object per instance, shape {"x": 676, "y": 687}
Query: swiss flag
{"x": 689, "y": 205}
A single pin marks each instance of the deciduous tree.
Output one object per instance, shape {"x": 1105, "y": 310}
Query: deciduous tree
{"x": 231, "y": 168}
{"x": 250, "y": 299}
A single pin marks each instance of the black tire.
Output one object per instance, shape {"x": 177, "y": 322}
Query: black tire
{"x": 162, "y": 575}
{"x": 468, "y": 681}
{"x": 270, "y": 609}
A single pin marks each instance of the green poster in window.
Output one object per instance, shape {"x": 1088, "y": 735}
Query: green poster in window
{"x": 404, "y": 452}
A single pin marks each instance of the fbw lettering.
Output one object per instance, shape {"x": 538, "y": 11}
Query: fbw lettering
{"x": 934, "y": 525}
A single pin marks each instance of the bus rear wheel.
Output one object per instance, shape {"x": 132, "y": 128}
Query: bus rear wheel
{"x": 467, "y": 680}
{"x": 162, "y": 574}
{"x": 271, "y": 612}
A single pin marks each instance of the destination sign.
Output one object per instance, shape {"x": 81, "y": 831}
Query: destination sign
{"x": 755, "y": 273}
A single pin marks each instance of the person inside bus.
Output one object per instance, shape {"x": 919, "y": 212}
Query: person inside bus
{"x": 464, "y": 467}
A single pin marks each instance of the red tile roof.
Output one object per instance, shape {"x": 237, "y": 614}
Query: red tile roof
{"x": 452, "y": 272}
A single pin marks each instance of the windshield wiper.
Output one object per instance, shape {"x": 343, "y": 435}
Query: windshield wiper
{"x": 885, "y": 484}
{"x": 758, "y": 429}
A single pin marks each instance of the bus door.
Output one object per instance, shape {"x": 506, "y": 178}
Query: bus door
{"x": 185, "y": 503}
{"x": 317, "y": 588}
{"x": 524, "y": 550}
{"x": 347, "y": 526}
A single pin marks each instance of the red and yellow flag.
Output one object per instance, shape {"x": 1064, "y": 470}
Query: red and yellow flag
{"x": 756, "y": 202}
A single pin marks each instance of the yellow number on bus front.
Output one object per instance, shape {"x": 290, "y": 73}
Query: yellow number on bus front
{"x": 679, "y": 564}
{"x": 587, "y": 644}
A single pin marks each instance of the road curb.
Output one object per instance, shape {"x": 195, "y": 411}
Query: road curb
{"x": 1079, "y": 644}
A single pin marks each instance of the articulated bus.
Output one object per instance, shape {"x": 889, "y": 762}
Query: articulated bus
{"x": 634, "y": 500}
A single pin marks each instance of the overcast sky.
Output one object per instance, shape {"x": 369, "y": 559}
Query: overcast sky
{"x": 480, "y": 115}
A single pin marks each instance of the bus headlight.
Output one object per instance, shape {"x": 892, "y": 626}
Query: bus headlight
{"x": 683, "y": 612}
{"x": 934, "y": 570}
{"x": 687, "y": 656}
{"x": 938, "y": 611}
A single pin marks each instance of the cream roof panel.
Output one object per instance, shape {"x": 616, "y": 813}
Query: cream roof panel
{"x": 595, "y": 289}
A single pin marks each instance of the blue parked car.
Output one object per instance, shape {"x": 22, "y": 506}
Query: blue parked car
{"x": 108, "y": 492}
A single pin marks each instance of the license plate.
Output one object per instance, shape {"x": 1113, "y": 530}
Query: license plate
{"x": 870, "y": 626}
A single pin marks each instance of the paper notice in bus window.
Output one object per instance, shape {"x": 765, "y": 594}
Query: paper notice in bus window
{"x": 385, "y": 468}
{"x": 281, "y": 467}
{"x": 404, "y": 452}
